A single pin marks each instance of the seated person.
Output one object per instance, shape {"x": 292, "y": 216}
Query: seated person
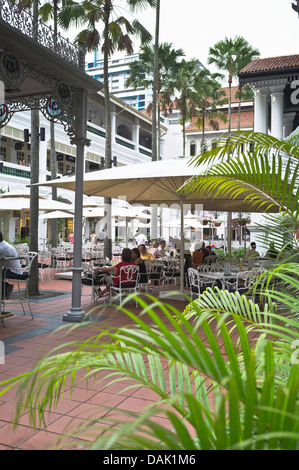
{"x": 252, "y": 255}
{"x": 143, "y": 278}
{"x": 11, "y": 268}
{"x": 113, "y": 272}
{"x": 272, "y": 252}
{"x": 211, "y": 258}
{"x": 154, "y": 249}
{"x": 162, "y": 248}
{"x": 145, "y": 254}
{"x": 197, "y": 256}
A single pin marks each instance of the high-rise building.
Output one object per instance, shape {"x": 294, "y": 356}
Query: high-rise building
{"x": 119, "y": 71}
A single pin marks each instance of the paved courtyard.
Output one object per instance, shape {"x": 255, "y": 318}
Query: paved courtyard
{"x": 26, "y": 339}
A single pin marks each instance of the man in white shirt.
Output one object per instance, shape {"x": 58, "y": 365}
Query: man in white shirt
{"x": 11, "y": 267}
{"x": 140, "y": 239}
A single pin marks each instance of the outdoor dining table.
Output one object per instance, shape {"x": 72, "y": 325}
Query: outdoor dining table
{"x": 4, "y": 314}
{"x": 219, "y": 276}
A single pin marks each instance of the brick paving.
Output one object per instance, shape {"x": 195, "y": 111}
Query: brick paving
{"x": 27, "y": 339}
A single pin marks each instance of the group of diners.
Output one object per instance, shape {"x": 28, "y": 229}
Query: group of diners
{"x": 112, "y": 274}
{"x": 203, "y": 255}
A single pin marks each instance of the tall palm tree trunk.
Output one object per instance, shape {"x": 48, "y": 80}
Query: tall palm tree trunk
{"x": 108, "y": 144}
{"x": 154, "y": 222}
{"x": 53, "y": 161}
{"x": 34, "y": 172}
{"x": 229, "y": 102}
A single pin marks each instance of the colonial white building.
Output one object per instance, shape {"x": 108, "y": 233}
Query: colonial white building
{"x": 275, "y": 84}
{"x": 131, "y": 143}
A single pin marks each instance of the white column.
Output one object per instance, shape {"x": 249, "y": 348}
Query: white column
{"x": 135, "y": 135}
{"x": 277, "y": 111}
{"x": 260, "y": 110}
{"x": 43, "y": 150}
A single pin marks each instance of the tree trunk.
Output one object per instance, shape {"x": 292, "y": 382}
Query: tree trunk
{"x": 53, "y": 161}
{"x": 229, "y": 102}
{"x": 108, "y": 145}
{"x": 154, "y": 221}
{"x": 54, "y": 222}
{"x": 155, "y": 84}
{"x": 34, "y": 172}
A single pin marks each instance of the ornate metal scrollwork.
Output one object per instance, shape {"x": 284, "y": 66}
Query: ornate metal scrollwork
{"x": 22, "y": 20}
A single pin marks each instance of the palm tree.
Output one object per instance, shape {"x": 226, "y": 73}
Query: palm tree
{"x": 49, "y": 10}
{"x": 183, "y": 84}
{"x": 116, "y": 35}
{"x": 231, "y": 55}
{"x": 208, "y": 98}
{"x": 142, "y": 72}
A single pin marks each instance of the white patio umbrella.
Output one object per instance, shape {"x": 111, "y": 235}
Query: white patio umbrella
{"x": 23, "y": 203}
{"x": 57, "y": 215}
{"x": 155, "y": 183}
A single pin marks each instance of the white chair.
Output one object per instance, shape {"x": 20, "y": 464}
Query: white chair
{"x": 194, "y": 282}
{"x": 92, "y": 278}
{"x": 245, "y": 281}
{"x": 127, "y": 282}
{"x": 44, "y": 263}
{"x": 172, "y": 271}
{"x": 30, "y": 256}
{"x": 155, "y": 272}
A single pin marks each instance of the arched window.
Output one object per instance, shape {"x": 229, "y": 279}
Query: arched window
{"x": 214, "y": 144}
{"x": 193, "y": 148}
{"x": 123, "y": 131}
{"x": 203, "y": 146}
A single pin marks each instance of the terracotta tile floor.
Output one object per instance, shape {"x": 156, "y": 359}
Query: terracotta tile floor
{"x": 26, "y": 339}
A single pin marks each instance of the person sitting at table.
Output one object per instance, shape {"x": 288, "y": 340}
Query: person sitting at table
{"x": 154, "y": 249}
{"x": 11, "y": 268}
{"x": 272, "y": 252}
{"x": 93, "y": 238}
{"x": 197, "y": 256}
{"x": 211, "y": 258}
{"x": 145, "y": 254}
{"x": 113, "y": 272}
{"x": 143, "y": 279}
{"x": 252, "y": 255}
{"x": 162, "y": 248}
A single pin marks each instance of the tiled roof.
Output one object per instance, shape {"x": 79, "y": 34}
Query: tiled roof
{"x": 245, "y": 121}
{"x": 272, "y": 63}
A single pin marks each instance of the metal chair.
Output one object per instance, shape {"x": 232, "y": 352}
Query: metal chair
{"x": 194, "y": 282}
{"x": 155, "y": 272}
{"x": 22, "y": 297}
{"x": 92, "y": 278}
{"x": 44, "y": 264}
{"x": 126, "y": 282}
{"x": 172, "y": 271}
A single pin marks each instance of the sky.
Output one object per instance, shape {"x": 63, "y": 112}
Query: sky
{"x": 271, "y": 26}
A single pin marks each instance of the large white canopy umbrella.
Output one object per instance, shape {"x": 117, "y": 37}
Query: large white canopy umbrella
{"x": 57, "y": 215}
{"x": 23, "y": 203}
{"x": 155, "y": 183}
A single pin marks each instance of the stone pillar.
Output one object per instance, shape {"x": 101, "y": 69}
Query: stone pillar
{"x": 260, "y": 110}
{"x": 76, "y": 314}
{"x": 277, "y": 111}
